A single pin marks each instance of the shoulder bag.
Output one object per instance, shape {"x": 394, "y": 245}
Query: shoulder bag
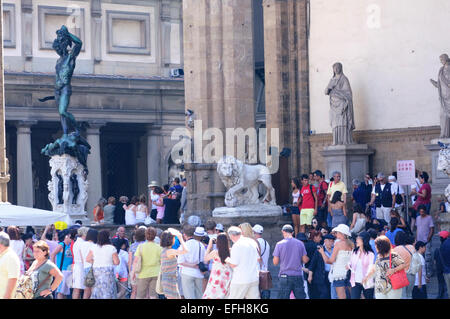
{"x": 398, "y": 279}
{"x": 201, "y": 265}
{"x": 265, "y": 278}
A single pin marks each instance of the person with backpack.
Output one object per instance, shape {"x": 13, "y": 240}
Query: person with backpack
{"x": 45, "y": 275}
{"x": 265, "y": 254}
{"x": 399, "y": 193}
{"x": 406, "y": 250}
{"x": 309, "y": 204}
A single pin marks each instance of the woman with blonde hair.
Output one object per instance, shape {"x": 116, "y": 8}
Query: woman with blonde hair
{"x": 247, "y": 230}
{"x": 99, "y": 214}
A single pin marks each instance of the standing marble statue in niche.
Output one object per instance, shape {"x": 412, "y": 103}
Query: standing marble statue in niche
{"x": 341, "y": 107}
{"x": 443, "y": 85}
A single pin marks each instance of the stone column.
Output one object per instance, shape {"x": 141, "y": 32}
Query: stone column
{"x": 287, "y": 78}
{"x": 4, "y": 169}
{"x": 154, "y": 154}
{"x": 219, "y": 85}
{"x": 94, "y": 166}
{"x": 96, "y": 25}
{"x": 25, "y": 190}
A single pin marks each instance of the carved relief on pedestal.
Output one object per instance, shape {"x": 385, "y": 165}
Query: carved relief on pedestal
{"x": 73, "y": 190}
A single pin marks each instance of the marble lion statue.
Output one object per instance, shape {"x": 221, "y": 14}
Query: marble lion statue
{"x": 242, "y": 180}
{"x": 444, "y": 165}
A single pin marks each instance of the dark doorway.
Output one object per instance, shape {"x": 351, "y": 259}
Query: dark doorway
{"x": 120, "y": 165}
{"x": 42, "y": 134}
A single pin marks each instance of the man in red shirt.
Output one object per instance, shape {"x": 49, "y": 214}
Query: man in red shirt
{"x": 309, "y": 204}
{"x": 321, "y": 198}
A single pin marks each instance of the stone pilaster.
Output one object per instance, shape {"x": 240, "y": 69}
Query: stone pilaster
{"x": 219, "y": 83}
{"x": 96, "y": 25}
{"x": 4, "y": 169}
{"x": 154, "y": 154}
{"x": 94, "y": 166}
{"x": 286, "y": 78}
{"x": 27, "y": 29}
{"x": 25, "y": 190}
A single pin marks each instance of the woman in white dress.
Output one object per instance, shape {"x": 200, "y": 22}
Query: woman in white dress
{"x": 130, "y": 211}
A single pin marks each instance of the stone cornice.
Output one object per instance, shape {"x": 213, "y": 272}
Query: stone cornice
{"x": 424, "y": 133}
{"x": 28, "y": 81}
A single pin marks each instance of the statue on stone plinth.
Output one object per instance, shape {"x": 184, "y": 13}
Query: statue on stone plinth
{"x": 242, "y": 182}
{"x": 443, "y": 85}
{"x": 341, "y": 107}
{"x": 72, "y": 144}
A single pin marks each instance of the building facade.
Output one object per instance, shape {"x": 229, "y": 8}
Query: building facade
{"x": 123, "y": 92}
{"x": 247, "y": 64}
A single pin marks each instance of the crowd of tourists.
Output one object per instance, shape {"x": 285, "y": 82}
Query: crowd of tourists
{"x": 380, "y": 213}
{"x": 165, "y": 205}
{"x": 371, "y": 249}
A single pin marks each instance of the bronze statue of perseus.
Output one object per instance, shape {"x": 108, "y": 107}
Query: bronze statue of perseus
{"x": 68, "y": 47}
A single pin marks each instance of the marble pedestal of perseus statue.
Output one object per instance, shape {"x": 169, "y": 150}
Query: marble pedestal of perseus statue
{"x": 242, "y": 198}
{"x": 68, "y": 187}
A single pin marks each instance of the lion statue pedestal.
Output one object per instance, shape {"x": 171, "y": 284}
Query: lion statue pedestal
{"x": 242, "y": 197}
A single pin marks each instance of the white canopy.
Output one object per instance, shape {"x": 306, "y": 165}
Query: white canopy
{"x": 26, "y": 216}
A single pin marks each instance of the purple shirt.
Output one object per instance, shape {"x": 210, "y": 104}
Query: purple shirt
{"x": 423, "y": 227}
{"x": 290, "y": 251}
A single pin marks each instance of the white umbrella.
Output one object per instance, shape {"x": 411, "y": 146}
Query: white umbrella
{"x": 26, "y": 216}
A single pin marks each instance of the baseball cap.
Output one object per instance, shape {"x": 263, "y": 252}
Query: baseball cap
{"x": 329, "y": 236}
{"x": 444, "y": 234}
{"x": 219, "y": 227}
{"x": 258, "y": 229}
{"x": 287, "y": 228}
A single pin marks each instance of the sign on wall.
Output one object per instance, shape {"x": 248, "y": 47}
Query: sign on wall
{"x": 406, "y": 172}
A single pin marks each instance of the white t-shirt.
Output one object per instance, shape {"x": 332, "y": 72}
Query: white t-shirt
{"x": 422, "y": 261}
{"x": 154, "y": 197}
{"x": 122, "y": 268}
{"x": 77, "y": 257}
{"x": 85, "y": 249}
{"x": 103, "y": 255}
{"x": 192, "y": 257}
{"x": 265, "y": 252}
{"x": 244, "y": 254}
